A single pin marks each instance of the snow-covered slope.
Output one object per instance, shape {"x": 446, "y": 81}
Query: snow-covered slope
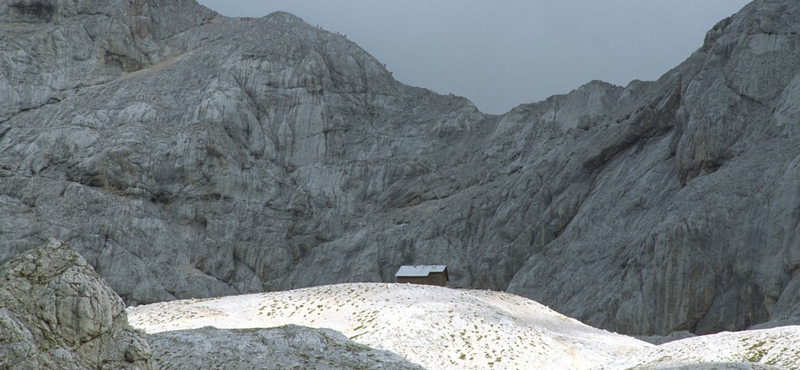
{"x": 777, "y": 348}
{"x": 436, "y": 327}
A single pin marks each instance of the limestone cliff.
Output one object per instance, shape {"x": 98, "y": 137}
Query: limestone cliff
{"x": 210, "y": 156}
{"x": 687, "y": 219}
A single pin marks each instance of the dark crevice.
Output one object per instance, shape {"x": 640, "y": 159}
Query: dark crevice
{"x": 33, "y": 10}
{"x": 4, "y": 131}
{"x": 745, "y": 96}
{"x": 656, "y": 120}
{"x": 160, "y": 198}
{"x": 52, "y": 100}
{"x": 92, "y": 180}
{"x": 123, "y": 62}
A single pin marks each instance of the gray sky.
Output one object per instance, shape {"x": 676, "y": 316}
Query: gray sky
{"x": 503, "y": 53}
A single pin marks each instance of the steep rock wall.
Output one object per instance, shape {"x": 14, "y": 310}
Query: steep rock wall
{"x": 692, "y": 228}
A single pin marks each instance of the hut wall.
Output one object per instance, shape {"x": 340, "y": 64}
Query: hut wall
{"x": 432, "y": 279}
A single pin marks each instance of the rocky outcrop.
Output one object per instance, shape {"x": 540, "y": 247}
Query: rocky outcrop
{"x": 57, "y": 313}
{"x": 225, "y": 156}
{"x": 288, "y": 347}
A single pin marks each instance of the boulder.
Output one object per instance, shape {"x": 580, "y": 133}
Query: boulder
{"x": 57, "y": 313}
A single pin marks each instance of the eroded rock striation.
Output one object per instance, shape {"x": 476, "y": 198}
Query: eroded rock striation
{"x": 210, "y": 156}
{"x": 57, "y": 313}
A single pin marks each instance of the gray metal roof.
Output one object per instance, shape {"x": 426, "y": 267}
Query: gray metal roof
{"x": 419, "y": 270}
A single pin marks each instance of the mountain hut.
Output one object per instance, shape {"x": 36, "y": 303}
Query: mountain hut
{"x": 423, "y": 274}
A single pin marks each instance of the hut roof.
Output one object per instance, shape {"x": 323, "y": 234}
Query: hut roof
{"x": 419, "y": 270}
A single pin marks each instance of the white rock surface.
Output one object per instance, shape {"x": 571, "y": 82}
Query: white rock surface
{"x": 439, "y": 328}
{"x": 442, "y": 328}
{"x": 776, "y": 348}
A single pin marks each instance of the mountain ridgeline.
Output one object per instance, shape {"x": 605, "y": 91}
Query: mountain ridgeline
{"x": 186, "y": 154}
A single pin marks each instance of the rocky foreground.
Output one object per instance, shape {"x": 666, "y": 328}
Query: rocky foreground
{"x": 57, "y": 313}
{"x": 285, "y": 347}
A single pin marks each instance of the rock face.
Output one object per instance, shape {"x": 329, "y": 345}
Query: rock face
{"x": 288, "y": 347}
{"x": 50, "y": 48}
{"x": 57, "y": 313}
{"x": 685, "y": 217}
{"x": 209, "y": 156}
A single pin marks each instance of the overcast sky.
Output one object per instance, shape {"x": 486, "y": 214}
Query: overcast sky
{"x": 500, "y": 54}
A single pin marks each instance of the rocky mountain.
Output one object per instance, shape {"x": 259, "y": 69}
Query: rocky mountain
{"x": 186, "y": 154}
{"x": 686, "y": 219}
{"x": 57, "y": 313}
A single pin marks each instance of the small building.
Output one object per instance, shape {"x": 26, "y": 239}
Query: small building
{"x": 423, "y": 274}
